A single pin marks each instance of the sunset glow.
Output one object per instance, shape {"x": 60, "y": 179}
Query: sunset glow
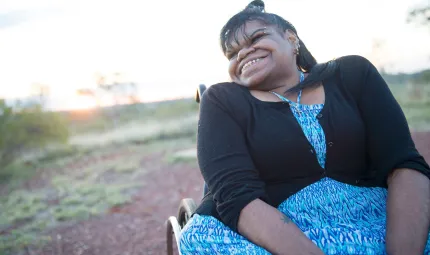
{"x": 82, "y": 103}
{"x": 168, "y": 50}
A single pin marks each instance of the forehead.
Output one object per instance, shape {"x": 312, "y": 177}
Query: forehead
{"x": 243, "y": 33}
{"x": 251, "y": 26}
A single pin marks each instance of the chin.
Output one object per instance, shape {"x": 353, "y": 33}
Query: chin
{"x": 253, "y": 82}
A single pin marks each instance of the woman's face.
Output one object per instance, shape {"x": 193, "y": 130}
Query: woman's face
{"x": 262, "y": 56}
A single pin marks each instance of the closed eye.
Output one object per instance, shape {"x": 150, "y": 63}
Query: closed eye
{"x": 257, "y": 37}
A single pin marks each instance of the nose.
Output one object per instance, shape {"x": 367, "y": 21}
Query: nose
{"x": 244, "y": 52}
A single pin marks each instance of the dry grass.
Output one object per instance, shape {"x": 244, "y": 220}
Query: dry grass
{"x": 138, "y": 131}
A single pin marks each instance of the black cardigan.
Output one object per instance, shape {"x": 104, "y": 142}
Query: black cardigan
{"x": 250, "y": 149}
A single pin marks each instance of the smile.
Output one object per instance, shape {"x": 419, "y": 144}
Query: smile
{"x": 250, "y": 63}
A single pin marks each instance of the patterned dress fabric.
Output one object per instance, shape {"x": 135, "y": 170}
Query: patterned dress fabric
{"x": 339, "y": 218}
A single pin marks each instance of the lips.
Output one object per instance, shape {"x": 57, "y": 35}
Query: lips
{"x": 248, "y": 63}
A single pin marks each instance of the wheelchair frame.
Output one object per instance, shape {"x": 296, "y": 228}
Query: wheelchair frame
{"x": 187, "y": 206}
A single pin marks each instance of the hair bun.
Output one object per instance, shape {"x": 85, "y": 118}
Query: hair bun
{"x": 256, "y": 5}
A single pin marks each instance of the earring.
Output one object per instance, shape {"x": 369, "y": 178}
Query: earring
{"x": 296, "y": 50}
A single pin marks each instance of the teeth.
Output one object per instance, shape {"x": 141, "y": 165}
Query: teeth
{"x": 249, "y": 63}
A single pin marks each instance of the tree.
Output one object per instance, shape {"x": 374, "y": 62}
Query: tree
{"x": 119, "y": 90}
{"x": 118, "y": 87}
{"x": 24, "y": 128}
{"x": 40, "y": 93}
{"x": 420, "y": 15}
{"x": 89, "y": 93}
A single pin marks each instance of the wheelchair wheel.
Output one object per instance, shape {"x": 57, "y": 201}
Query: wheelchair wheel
{"x": 186, "y": 209}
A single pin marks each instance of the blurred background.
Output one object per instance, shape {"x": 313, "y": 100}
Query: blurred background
{"x": 98, "y": 120}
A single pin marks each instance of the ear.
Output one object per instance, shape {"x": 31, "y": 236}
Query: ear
{"x": 290, "y": 36}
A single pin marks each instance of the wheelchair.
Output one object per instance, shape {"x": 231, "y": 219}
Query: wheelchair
{"x": 187, "y": 206}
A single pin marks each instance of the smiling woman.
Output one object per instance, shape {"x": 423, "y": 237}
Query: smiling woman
{"x": 275, "y": 45}
{"x": 303, "y": 157}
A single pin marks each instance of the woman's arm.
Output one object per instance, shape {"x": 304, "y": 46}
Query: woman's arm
{"x": 408, "y": 212}
{"x": 228, "y": 169}
{"x": 266, "y": 226}
{"x": 394, "y": 162}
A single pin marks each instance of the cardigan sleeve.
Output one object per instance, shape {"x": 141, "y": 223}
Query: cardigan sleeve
{"x": 223, "y": 158}
{"x": 388, "y": 139}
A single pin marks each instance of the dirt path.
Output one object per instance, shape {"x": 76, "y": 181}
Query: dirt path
{"x": 139, "y": 227}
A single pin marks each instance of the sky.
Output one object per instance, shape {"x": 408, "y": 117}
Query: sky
{"x": 169, "y": 47}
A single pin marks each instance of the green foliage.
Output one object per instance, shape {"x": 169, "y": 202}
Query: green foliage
{"x": 422, "y": 77}
{"x": 20, "y": 239}
{"x": 404, "y": 78}
{"x": 116, "y": 199}
{"x": 126, "y": 167}
{"x": 26, "y": 128}
{"x": 102, "y": 119}
{"x": 62, "y": 152}
{"x": 29, "y": 213}
{"x": 21, "y": 206}
{"x": 173, "y": 109}
{"x": 420, "y": 15}
{"x": 184, "y": 156}
{"x": 62, "y": 213}
{"x": 14, "y": 173}
{"x": 79, "y": 196}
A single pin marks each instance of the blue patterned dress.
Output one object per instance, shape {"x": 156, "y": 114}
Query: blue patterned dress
{"x": 339, "y": 218}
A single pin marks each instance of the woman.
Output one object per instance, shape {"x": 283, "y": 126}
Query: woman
{"x": 304, "y": 158}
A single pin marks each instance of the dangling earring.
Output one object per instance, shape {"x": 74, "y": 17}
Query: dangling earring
{"x": 296, "y": 51}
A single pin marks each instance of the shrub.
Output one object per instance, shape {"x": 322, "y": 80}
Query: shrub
{"x": 27, "y": 128}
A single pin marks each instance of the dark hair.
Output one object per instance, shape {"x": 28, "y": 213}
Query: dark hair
{"x": 305, "y": 61}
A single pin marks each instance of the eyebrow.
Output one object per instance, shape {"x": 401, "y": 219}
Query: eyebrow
{"x": 256, "y": 31}
{"x": 227, "y": 44}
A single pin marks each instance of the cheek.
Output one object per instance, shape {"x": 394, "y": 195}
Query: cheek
{"x": 290, "y": 52}
{"x": 232, "y": 69}
{"x": 285, "y": 57}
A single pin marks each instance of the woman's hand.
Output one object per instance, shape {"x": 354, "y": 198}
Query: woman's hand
{"x": 269, "y": 228}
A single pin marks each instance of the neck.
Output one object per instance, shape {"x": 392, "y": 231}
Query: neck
{"x": 286, "y": 84}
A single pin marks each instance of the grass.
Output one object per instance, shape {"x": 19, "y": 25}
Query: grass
{"x": 78, "y": 193}
{"x": 140, "y": 132}
{"x": 16, "y": 173}
{"x": 22, "y": 208}
{"x": 19, "y": 240}
{"x": 183, "y": 156}
{"x": 29, "y": 213}
{"x": 125, "y": 167}
{"x": 416, "y": 109}
{"x": 105, "y": 119}
{"x": 75, "y": 195}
